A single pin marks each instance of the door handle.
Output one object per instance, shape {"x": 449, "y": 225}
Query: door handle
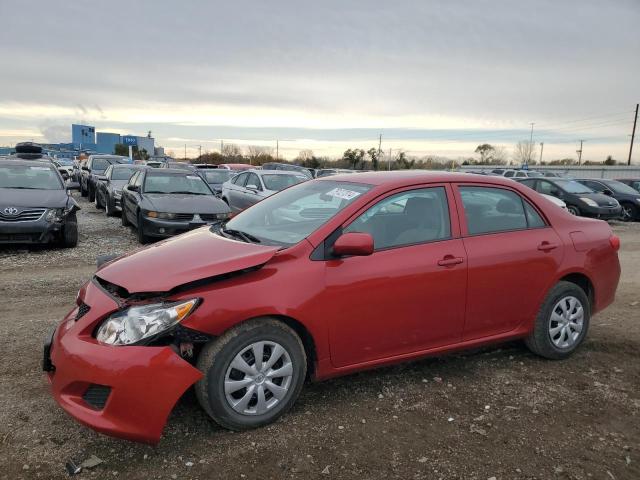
{"x": 450, "y": 260}
{"x": 546, "y": 246}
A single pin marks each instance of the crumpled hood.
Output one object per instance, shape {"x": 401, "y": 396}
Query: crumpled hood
{"x": 15, "y": 197}
{"x": 189, "y": 257}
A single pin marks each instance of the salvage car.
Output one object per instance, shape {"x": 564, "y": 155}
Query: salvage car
{"x": 250, "y": 187}
{"x": 164, "y": 202}
{"x": 247, "y": 309}
{"x": 215, "y": 177}
{"x": 627, "y": 197}
{"x": 35, "y": 206}
{"x": 580, "y": 199}
{"x": 110, "y": 185}
{"x": 95, "y": 166}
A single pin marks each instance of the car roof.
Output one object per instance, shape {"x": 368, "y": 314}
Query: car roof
{"x": 399, "y": 178}
{"x": 20, "y": 161}
{"x": 167, "y": 171}
{"x": 277, "y": 172}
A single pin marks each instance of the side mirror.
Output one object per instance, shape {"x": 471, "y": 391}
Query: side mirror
{"x": 355, "y": 244}
{"x": 606, "y": 191}
{"x": 72, "y": 186}
{"x": 133, "y": 188}
{"x": 252, "y": 187}
{"x": 102, "y": 178}
{"x": 85, "y": 168}
{"x": 555, "y": 193}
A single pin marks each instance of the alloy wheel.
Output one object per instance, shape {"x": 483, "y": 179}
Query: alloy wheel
{"x": 258, "y": 378}
{"x": 567, "y": 319}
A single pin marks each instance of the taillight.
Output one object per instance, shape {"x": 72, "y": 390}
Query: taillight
{"x": 614, "y": 240}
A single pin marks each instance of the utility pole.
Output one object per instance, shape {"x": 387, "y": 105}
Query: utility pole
{"x": 379, "y": 148}
{"x": 579, "y": 152}
{"x": 221, "y": 146}
{"x": 541, "y": 149}
{"x": 185, "y": 152}
{"x": 633, "y": 134}
{"x": 277, "y": 149}
{"x": 389, "y": 161}
{"x": 199, "y": 152}
{"x": 530, "y": 144}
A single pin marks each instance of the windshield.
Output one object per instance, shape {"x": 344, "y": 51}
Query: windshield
{"x": 122, "y": 173}
{"x": 29, "y": 177}
{"x": 620, "y": 187}
{"x": 280, "y": 182}
{"x": 572, "y": 186}
{"x": 100, "y": 164}
{"x": 217, "y": 175}
{"x": 289, "y": 216}
{"x": 535, "y": 174}
{"x": 175, "y": 183}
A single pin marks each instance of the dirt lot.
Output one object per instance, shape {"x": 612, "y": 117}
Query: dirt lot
{"x": 498, "y": 412}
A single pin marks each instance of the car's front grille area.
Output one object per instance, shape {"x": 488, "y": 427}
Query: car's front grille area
{"x": 26, "y": 215}
{"x": 20, "y": 237}
{"x": 185, "y": 217}
{"x": 83, "y": 309}
{"x": 210, "y": 217}
{"x": 96, "y": 396}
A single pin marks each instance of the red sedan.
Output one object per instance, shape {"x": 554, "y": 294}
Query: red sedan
{"x": 328, "y": 277}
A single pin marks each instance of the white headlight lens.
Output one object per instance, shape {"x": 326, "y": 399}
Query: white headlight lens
{"x": 137, "y": 323}
{"x": 588, "y": 201}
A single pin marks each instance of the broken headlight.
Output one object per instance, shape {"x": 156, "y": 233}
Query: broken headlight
{"x": 133, "y": 324}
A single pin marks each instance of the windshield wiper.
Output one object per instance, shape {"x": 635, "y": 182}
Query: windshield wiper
{"x": 189, "y": 193}
{"x": 246, "y": 237}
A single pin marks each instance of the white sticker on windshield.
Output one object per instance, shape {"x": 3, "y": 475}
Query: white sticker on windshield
{"x": 193, "y": 177}
{"x": 343, "y": 193}
{"x": 39, "y": 168}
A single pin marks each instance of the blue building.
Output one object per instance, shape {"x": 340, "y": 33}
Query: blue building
{"x": 106, "y": 142}
{"x": 83, "y": 136}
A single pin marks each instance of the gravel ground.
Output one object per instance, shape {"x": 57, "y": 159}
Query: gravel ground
{"x": 498, "y": 412}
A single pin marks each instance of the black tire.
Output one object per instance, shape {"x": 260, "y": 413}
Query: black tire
{"x": 91, "y": 192}
{"x": 573, "y": 210}
{"x": 99, "y": 205}
{"x": 83, "y": 190}
{"x": 69, "y": 233}
{"x": 540, "y": 340}
{"x": 123, "y": 218}
{"x": 214, "y": 361}
{"x": 109, "y": 209}
{"x": 142, "y": 238}
{"x": 629, "y": 212}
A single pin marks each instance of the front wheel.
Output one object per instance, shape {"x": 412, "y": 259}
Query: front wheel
{"x": 573, "y": 210}
{"x": 69, "y": 233}
{"x": 562, "y": 322}
{"x": 108, "y": 207}
{"x": 252, "y": 374}
{"x": 142, "y": 238}
{"x": 99, "y": 205}
{"x": 91, "y": 193}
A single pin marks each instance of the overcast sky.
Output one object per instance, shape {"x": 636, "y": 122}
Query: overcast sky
{"x": 434, "y": 77}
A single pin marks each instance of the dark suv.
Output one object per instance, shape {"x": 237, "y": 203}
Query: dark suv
{"x": 95, "y": 166}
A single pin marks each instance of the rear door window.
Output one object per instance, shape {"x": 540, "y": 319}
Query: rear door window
{"x": 490, "y": 210}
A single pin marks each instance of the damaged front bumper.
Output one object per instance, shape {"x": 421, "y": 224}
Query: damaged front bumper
{"x": 126, "y": 392}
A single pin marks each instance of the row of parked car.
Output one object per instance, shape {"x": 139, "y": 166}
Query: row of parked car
{"x": 599, "y": 198}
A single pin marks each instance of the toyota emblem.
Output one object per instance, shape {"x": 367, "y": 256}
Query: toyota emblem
{"x": 11, "y": 211}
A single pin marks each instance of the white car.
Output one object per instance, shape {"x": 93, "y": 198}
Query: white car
{"x": 555, "y": 200}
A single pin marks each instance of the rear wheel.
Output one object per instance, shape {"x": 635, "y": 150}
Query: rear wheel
{"x": 573, "y": 210}
{"x": 99, "y": 205}
{"x": 83, "y": 190}
{"x": 562, "y": 322}
{"x": 629, "y": 212}
{"x": 252, "y": 374}
{"x": 91, "y": 192}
